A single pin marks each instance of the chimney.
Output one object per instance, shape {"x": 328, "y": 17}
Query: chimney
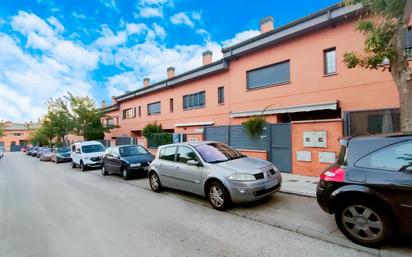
{"x": 103, "y": 103}
{"x": 114, "y": 101}
{"x": 146, "y": 82}
{"x": 266, "y": 24}
{"x": 207, "y": 57}
{"x": 171, "y": 72}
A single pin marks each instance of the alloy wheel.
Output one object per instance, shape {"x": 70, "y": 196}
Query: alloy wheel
{"x": 362, "y": 222}
{"x": 216, "y": 196}
{"x": 154, "y": 181}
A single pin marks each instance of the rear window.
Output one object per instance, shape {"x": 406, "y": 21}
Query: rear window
{"x": 168, "y": 153}
{"x": 342, "y": 156}
{"x": 392, "y": 158}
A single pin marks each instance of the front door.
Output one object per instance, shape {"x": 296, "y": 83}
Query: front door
{"x": 281, "y": 146}
{"x": 187, "y": 177}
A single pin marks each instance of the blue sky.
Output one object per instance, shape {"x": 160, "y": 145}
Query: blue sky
{"x": 102, "y": 48}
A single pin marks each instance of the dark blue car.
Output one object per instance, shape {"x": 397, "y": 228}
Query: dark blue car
{"x": 126, "y": 160}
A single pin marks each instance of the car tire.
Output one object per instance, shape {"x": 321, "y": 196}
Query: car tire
{"x": 218, "y": 195}
{"x": 154, "y": 182}
{"x": 104, "y": 171}
{"x": 125, "y": 174}
{"x": 82, "y": 166}
{"x": 364, "y": 222}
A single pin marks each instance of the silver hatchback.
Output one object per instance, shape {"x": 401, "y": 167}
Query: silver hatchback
{"x": 215, "y": 171}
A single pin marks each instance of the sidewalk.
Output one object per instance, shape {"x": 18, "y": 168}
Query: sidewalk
{"x": 299, "y": 185}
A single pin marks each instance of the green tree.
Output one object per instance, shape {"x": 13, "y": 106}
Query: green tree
{"x": 384, "y": 25}
{"x": 39, "y": 137}
{"x": 2, "y": 127}
{"x": 59, "y": 120}
{"x": 152, "y": 128}
{"x": 85, "y": 117}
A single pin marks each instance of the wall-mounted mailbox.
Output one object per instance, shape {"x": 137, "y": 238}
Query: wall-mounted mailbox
{"x": 314, "y": 139}
{"x": 304, "y": 156}
{"x": 327, "y": 157}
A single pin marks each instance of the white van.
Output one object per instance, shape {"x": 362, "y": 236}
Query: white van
{"x": 88, "y": 154}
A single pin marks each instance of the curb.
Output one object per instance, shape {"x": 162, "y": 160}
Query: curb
{"x": 298, "y": 193}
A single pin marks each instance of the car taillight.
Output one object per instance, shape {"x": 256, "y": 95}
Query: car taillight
{"x": 334, "y": 174}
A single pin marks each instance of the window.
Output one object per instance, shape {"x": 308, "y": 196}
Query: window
{"x": 171, "y": 104}
{"x": 393, "y": 158}
{"x": 185, "y": 154}
{"x": 129, "y": 113}
{"x": 140, "y": 111}
{"x": 275, "y": 74}
{"x": 153, "y": 108}
{"x": 168, "y": 153}
{"x": 193, "y": 101}
{"x": 220, "y": 95}
{"x": 408, "y": 48}
{"x": 110, "y": 122}
{"x": 329, "y": 59}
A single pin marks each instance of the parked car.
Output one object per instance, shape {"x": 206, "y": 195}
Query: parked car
{"x": 214, "y": 170}
{"x": 39, "y": 151}
{"x": 34, "y": 151}
{"x": 61, "y": 154}
{"x": 24, "y": 149}
{"x": 369, "y": 189}
{"x": 46, "y": 154}
{"x": 1, "y": 152}
{"x": 88, "y": 154}
{"x": 28, "y": 152}
{"x": 126, "y": 160}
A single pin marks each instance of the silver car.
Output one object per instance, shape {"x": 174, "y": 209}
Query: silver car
{"x": 215, "y": 171}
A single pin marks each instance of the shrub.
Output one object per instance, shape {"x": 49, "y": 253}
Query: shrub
{"x": 152, "y": 128}
{"x": 254, "y": 125}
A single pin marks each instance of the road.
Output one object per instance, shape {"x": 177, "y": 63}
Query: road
{"x": 53, "y": 210}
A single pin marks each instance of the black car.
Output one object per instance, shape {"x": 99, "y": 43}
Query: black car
{"x": 61, "y": 154}
{"x": 126, "y": 160}
{"x": 34, "y": 151}
{"x": 369, "y": 189}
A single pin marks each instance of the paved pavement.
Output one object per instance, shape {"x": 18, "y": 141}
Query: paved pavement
{"x": 52, "y": 210}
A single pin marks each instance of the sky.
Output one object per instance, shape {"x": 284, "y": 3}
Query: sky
{"x": 104, "y": 48}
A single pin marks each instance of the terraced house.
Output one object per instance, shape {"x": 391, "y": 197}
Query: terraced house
{"x": 294, "y": 72}
{"x": 16, "y": 135}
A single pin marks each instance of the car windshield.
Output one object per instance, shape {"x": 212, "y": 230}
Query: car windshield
{"x": 46, "y": 151}
{"x": 217, "y": 152}
{"x": 92, "y": 148}
{"x": 63, "y": 150}
{"x": 131, "y": 150}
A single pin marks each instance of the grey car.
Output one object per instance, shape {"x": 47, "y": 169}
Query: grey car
{"x": 215, "y": 171}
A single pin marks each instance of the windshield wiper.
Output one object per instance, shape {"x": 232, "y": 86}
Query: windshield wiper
{"x": 217, "y": 161}
{"x": 405, "y": 167}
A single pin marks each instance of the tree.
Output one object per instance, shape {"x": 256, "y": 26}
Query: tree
{"x": 152, "y": 128}
{"x": 2, "y": 127}
{"x": 85, "y": 117}
{"x": 385, "y": 29}
{"x": 58, "y": 119}
{"x": 39, "y": 137}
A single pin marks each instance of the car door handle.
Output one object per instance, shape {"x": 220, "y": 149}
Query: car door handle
{"x": 177, "y": 168}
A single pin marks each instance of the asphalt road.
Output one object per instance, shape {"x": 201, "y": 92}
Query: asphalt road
{"x": 53, "y": 210}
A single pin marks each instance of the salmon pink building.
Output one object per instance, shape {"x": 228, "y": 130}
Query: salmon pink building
{"x": 16, "y": 135}
{"x": 293, "y": 75}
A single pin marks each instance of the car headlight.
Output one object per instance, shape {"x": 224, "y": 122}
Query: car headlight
{"x": 133, "y": 165}
{"x": 242, "y": 177}
{"x": 87, "y": 158}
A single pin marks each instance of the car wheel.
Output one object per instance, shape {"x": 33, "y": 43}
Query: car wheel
{"x": 364, "y": 223}
{"x": 218, "y": 195}
{"x": 82, "y": 166}
{"x": 73, "y": 165}
{"x": 125, "y": 173}
{"x": 104, "y": 171}
{"x": 154, "y": 182}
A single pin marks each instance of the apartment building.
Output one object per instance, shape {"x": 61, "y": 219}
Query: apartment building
{"x": 294, "y": 75}
{"x": 16, "y": 135}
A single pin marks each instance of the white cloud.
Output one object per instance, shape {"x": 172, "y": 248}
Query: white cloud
{"x": 155, "y": 2}
{"x": 151, "y": 12}
{"x": 182, "y": 18}
{"x": 109, "y": 39}
{"x": 109, "y": 4}
{"x": 56, "y": 24}
{"x": 240, "y": 37}
{"x": 27, "y": 81}
{"x": 123, "y": 82}
{"x": 135, "y": 28}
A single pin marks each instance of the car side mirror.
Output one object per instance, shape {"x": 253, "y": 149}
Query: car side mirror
{"x": 192, "y": 163}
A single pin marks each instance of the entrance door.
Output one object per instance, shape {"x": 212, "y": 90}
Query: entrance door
{"x": 281, "y": 146}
